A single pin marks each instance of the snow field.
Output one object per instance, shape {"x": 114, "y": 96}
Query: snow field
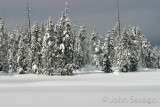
{"x": 88, "y": 87}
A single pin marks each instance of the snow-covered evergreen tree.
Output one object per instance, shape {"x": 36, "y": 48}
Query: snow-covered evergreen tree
{"x": 13, "y": 47}
{"x": 12, "y": 58}
{"x": 134, "y": 49}
{"x": 127, "y": 50}
{"x": 123, "y": 51}
{"x": 158, "y": 62}
{"x": 35, "y": 46}
{"x": 65, "y": 43}
{"x": 109, "y": 44}
{"x": 21, "y": 55}
{"x": 3, "y": 47}
{"x": 49, "y": 27}
{"x": 156, "y": 51}
{"x": 107, "y": 64}
{"x": 95, "y": 48}
{"x": 149, "y": 57}
{"x": 83, "y": 40}
{"x": 124, "y": 65}
{"x": 93, "y": 42}
{"x": 79, "y": 58}
{"x": 107, "y": 49}
{"x": 45, "y": 51}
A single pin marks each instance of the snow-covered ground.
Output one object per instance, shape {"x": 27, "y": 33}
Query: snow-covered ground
{"x": 88, "y": 87}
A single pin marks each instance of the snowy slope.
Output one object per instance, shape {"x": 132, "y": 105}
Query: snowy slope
{"x": 88, "y": 87}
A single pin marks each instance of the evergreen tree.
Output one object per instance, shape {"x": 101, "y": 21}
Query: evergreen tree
{"x": 35, "y": 46}
{"x": 12, "y": 58}
{"x": 124, "y": 51}
{"x": 65, "y": 36}
{"x": 21, "y": 55}
{"x": 3, "y": 47}
{"x": 128, "y": 50}
{"x": 93, "y": 42}
{"x": 158, "y": 62}
{"x": 95, "y": 48}
{"x": 156, "y": 51}
{"x": 45, "y": 51}
{"x": 134, "y": 49}
{"x": 79, "y": 58}
{"x": 124, "y": 65}
{"x": 133, "y": 61}
{"x": 82, "y": 37}
{"x": 106, "y": 55}
{"x": 149, "y": 57}
{"x": 107, "y": 64}
{"x": 52, "y": 43}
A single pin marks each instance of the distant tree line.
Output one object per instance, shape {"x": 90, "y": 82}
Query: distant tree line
{"x": 51, "y": 48}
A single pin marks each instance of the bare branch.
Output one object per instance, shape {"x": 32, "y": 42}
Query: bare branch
{"x": 29, "y": 20}
{"x": 119, "y": 26}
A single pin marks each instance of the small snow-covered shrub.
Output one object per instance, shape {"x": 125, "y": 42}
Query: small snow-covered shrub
{"x": 124, "y": 67}
{"x": 21, "y": 71}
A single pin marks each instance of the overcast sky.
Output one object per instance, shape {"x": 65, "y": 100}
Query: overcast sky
{"x": 142, "y": 13}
